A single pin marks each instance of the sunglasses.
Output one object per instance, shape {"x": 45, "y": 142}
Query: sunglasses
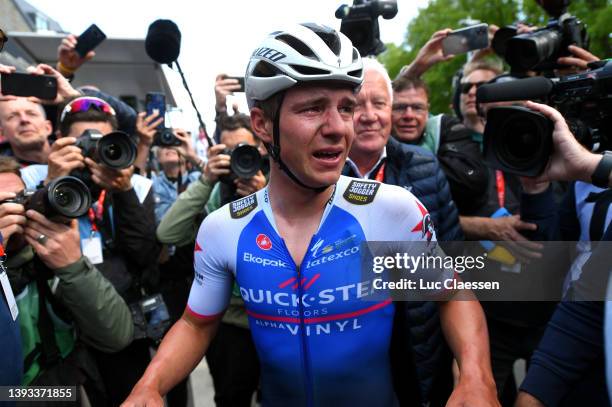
{"x": 466, "y": 86}
{"x": 84, "y": 104}
{"x": 3, "y": 39}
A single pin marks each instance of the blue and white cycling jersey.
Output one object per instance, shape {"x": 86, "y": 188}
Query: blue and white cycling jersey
{"x": 319, "y": 341}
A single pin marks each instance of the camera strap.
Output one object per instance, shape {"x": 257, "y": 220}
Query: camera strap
{"x": 501, "y": 188}
{"x": 380, "y": 174}
{"x": 97, "y": 215}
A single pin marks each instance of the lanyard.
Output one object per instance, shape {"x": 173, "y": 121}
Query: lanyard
{"x": 380, "y": 174}
{"x": 501, "y": 188}
{"x": 99, "y": 210}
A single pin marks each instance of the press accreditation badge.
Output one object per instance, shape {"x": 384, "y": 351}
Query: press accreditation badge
{"x": 92, "y": 249}
{"x": 8, "y": 293}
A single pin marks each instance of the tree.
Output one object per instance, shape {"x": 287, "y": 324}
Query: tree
{"x": 439, "y": 14}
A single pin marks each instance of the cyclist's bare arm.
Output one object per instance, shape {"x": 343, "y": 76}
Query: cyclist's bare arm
{"x": 179, "y": 353}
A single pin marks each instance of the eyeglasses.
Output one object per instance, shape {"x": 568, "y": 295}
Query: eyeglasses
{"x": 3, "y": 39}
{"x": 84, "y": 104}
{"x": 402, "y": 107}
{"x": 466, "y": 86}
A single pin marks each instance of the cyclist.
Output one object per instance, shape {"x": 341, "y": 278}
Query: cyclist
{"x": 293, "y": 248}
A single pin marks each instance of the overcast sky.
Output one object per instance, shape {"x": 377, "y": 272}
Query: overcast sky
{"x": 217, "y": 36}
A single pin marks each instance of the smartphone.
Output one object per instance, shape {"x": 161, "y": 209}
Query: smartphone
{"x": 466, "y": 39}
{"x": 240, "y": 80}
{"x": 23, "y": 84}
{"x": 91, "y": 38}
{"x": 156, "y": 101}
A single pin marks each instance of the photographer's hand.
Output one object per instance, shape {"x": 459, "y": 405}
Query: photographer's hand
{"x": 218, "y": 164}
{"x": 570, "y": 160}
{"x": 110, "y": 179}
{"x": 12, "y": 218}
{"x": 62, "y": 246}
{"x": 246, "y": 187}
{"x": 429, "y": 55}
{"x": 506, "y": 230}
{"x": 224, "y": 87}
{"x": 64, "y": 88}
{"x": 186, "y": 148}
{"x": 146, "y": 126}
{"x": 68, "y": 60}
{"x": 63, "y": 158}
{"x": 578, "y": 61}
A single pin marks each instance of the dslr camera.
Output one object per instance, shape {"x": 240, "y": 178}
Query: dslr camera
{"x": 64, "y": 198}
{"x": 165, "y": 138}
{"x": 114, "y": 150}
{"x": 151, "y": 318}
{"x": 245, "y": 162}
{"x": 359, "y": 23}
{"x": 519, "y": 141}
{"x": 539, "y": 50}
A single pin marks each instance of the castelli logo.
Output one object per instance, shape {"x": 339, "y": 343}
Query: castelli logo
{"x": 263, "y": 242}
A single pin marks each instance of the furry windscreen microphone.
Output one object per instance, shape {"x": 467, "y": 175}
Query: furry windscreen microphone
{"x": 163, "y": 42}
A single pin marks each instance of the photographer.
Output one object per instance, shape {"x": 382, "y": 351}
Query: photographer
{"x": 174, "y": 177}
{"x": 45, "y": 266}
{"x": 119, "y": 226}
{"x": 232, "y": 359}
{"x": 567, "y": 366}
{"x": 224, "y": 87}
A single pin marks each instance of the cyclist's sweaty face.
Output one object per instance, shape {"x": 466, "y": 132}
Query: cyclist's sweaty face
{"x": 316, "y": 132}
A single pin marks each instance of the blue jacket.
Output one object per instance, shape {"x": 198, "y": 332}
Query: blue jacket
{"x": 166, "y": 191}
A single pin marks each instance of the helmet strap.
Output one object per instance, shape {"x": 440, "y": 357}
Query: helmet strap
{"x": 275, "y": 150}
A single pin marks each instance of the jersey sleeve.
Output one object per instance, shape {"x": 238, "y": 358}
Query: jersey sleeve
{"x": 213, "y": 279}
{"x": 413, "y": 232}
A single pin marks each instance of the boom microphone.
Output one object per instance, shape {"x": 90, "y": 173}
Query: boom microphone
{"x": 521, "y": 89}
{"x": 163, "y": 42}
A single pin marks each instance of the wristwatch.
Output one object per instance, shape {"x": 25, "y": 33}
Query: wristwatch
{"x": 601, "y": 176}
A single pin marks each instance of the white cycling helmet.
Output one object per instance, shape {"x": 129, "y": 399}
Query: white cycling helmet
{"x": 302, "y": 53}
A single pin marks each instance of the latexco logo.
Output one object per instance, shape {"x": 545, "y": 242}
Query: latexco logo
{"x": 263, "y": 242}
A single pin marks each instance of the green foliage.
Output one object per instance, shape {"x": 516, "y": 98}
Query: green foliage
{"x": 439, "y": 14}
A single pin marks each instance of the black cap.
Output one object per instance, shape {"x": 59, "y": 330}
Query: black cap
{"x": 163, "y": 42}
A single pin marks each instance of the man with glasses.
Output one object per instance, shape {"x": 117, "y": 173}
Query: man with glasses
{"x": 443, "y": 135}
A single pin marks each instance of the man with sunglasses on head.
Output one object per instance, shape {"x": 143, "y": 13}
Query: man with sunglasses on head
{"x": 117, "y": 234}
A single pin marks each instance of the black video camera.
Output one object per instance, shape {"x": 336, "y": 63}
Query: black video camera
{"x": 539, "y": 50}
{"x": 64, "y": 198}
{"x": 165, "y": 138}
{"x": 519, "y": 141}
{"x": 115, "y": 150}
{"x": 360, "y": 23}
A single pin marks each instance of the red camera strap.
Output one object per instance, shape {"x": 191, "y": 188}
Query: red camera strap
{"x": 97, "y": 216}
{"x": 380, "y": 174}
{"x": 501, "y": 188}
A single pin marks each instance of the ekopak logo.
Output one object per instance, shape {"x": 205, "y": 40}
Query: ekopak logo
{"x": 263, "y": 242}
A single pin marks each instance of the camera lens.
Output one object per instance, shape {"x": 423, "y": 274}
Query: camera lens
{"x": 523, "y": 142}
{"x": 245, "y": 161}
{"x": 526, "y": 51}
{"x": 69, "y": 197}
{"x": 116, "y": 150}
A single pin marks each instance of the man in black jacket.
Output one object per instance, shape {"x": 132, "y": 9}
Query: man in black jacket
{"x": 424, "y": 369}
